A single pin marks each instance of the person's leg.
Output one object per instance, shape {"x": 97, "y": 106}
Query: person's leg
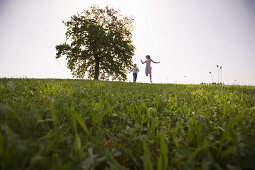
{"x": 150, "y": 77}
{"x": 134, "y": 77}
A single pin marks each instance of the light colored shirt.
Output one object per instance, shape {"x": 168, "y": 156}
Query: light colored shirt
{"x": 135, "y": 70}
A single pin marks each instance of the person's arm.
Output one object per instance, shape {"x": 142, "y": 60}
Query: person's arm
{"x": 131, "y": 70}
{"x": 156, "y": 62}
{"x": 142, "y": 62}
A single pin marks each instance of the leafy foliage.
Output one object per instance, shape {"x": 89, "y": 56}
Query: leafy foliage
{"x": 79, "y": 124}
{"x": 99, "y": 42}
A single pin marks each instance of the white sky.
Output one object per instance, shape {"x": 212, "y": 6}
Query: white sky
{"x": 189, "y": 38}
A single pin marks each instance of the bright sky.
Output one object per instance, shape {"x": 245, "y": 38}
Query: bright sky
{"x": 189, "y": 38}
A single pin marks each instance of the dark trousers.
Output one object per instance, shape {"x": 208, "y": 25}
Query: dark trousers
{"x": 134, "y": 77}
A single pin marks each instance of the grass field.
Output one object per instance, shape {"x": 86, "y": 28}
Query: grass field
{"x": 81, "y": 124}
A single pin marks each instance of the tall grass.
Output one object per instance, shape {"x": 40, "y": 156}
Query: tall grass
{"x": 81, "y": 124}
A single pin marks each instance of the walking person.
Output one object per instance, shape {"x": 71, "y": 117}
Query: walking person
{"x": 135, "y": 71}
{"x": 148, "y": 66}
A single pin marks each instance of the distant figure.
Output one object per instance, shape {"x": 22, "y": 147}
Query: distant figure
{"x": 148, "y": 65}
{"x": 135, "y": 71}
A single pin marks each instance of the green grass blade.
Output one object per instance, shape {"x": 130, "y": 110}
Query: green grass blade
{"x": 147, "y": 165}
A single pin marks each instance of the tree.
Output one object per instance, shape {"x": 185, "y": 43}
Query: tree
{"x": 99, "y": 44}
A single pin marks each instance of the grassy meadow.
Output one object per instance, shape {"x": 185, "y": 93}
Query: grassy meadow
{"x": 82, "y": 124}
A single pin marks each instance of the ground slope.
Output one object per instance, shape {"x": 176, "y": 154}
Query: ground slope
{"x": 81, "y": 124}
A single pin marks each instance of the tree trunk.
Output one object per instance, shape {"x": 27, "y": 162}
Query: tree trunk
{"x": 97, "y": 68}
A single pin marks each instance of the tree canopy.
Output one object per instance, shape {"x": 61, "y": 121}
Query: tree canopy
{"x": 98, "y": 44}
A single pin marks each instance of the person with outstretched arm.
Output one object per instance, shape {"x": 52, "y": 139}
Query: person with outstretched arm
{"x": 148, "y": 66}
{"x": 135, "y": 71}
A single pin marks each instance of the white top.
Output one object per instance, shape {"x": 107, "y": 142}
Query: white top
{"x": 135, "y": 70}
